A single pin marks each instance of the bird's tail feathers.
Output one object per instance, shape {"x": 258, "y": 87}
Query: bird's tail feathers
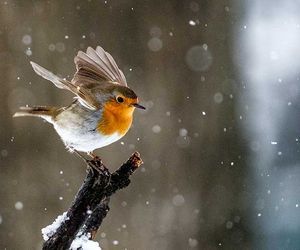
{"x": 47, "y": 113}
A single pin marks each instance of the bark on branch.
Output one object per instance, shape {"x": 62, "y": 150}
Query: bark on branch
{"x": 91, "y": 202}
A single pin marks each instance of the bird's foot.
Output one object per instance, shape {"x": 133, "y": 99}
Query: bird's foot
{"x": 96, "y": 163}
{"x": 97, "y": 166}
{"x": 93, "y": 156}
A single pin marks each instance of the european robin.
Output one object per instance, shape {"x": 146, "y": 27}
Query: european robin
{"x": 103, "y": 107}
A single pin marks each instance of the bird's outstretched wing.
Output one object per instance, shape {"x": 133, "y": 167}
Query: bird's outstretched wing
{"x": 83, "y": 94}
{"x": 95, "y": 66}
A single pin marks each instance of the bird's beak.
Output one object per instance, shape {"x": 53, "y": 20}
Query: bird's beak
{"x": 136, "y": 105}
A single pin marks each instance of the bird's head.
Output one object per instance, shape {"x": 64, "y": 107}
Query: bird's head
{"x": 121, "y": 100}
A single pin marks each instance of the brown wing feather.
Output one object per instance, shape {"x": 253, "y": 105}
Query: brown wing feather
{"x": 101, "y": 61}
{"x": 84, "y": 94}
{"x": 110, "y": 62}
{"x": 95, "y": 66}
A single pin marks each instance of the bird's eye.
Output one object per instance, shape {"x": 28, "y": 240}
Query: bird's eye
{"x": 120, "y": 99}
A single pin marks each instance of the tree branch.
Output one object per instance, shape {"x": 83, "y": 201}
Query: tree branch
{"x": 91, "y": 202}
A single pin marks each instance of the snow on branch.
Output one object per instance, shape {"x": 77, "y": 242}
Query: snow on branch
{"x": 79, "y": 225}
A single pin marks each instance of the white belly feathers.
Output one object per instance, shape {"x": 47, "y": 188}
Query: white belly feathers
{"x": 81, "y": 133}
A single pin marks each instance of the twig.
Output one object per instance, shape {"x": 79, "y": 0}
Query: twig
{"x": 91, "y": 202}
{"x": 94, "y": 221}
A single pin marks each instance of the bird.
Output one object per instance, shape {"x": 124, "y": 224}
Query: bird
{"x": 102, "y": 110}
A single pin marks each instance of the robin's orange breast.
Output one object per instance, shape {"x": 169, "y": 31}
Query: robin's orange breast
{"x": 115, "y": 118}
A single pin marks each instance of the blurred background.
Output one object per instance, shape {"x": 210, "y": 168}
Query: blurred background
{"x": 219, "y": 138}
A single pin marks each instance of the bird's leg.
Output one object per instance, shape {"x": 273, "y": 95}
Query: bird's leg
{"x": 97, "y": 161}
{"x": 94, "y": 164}
{"x": 95, "y": 157}
{"x": 80, "y": 155}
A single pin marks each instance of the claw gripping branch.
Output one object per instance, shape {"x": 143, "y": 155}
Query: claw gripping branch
{"x": 90, "y": 205}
